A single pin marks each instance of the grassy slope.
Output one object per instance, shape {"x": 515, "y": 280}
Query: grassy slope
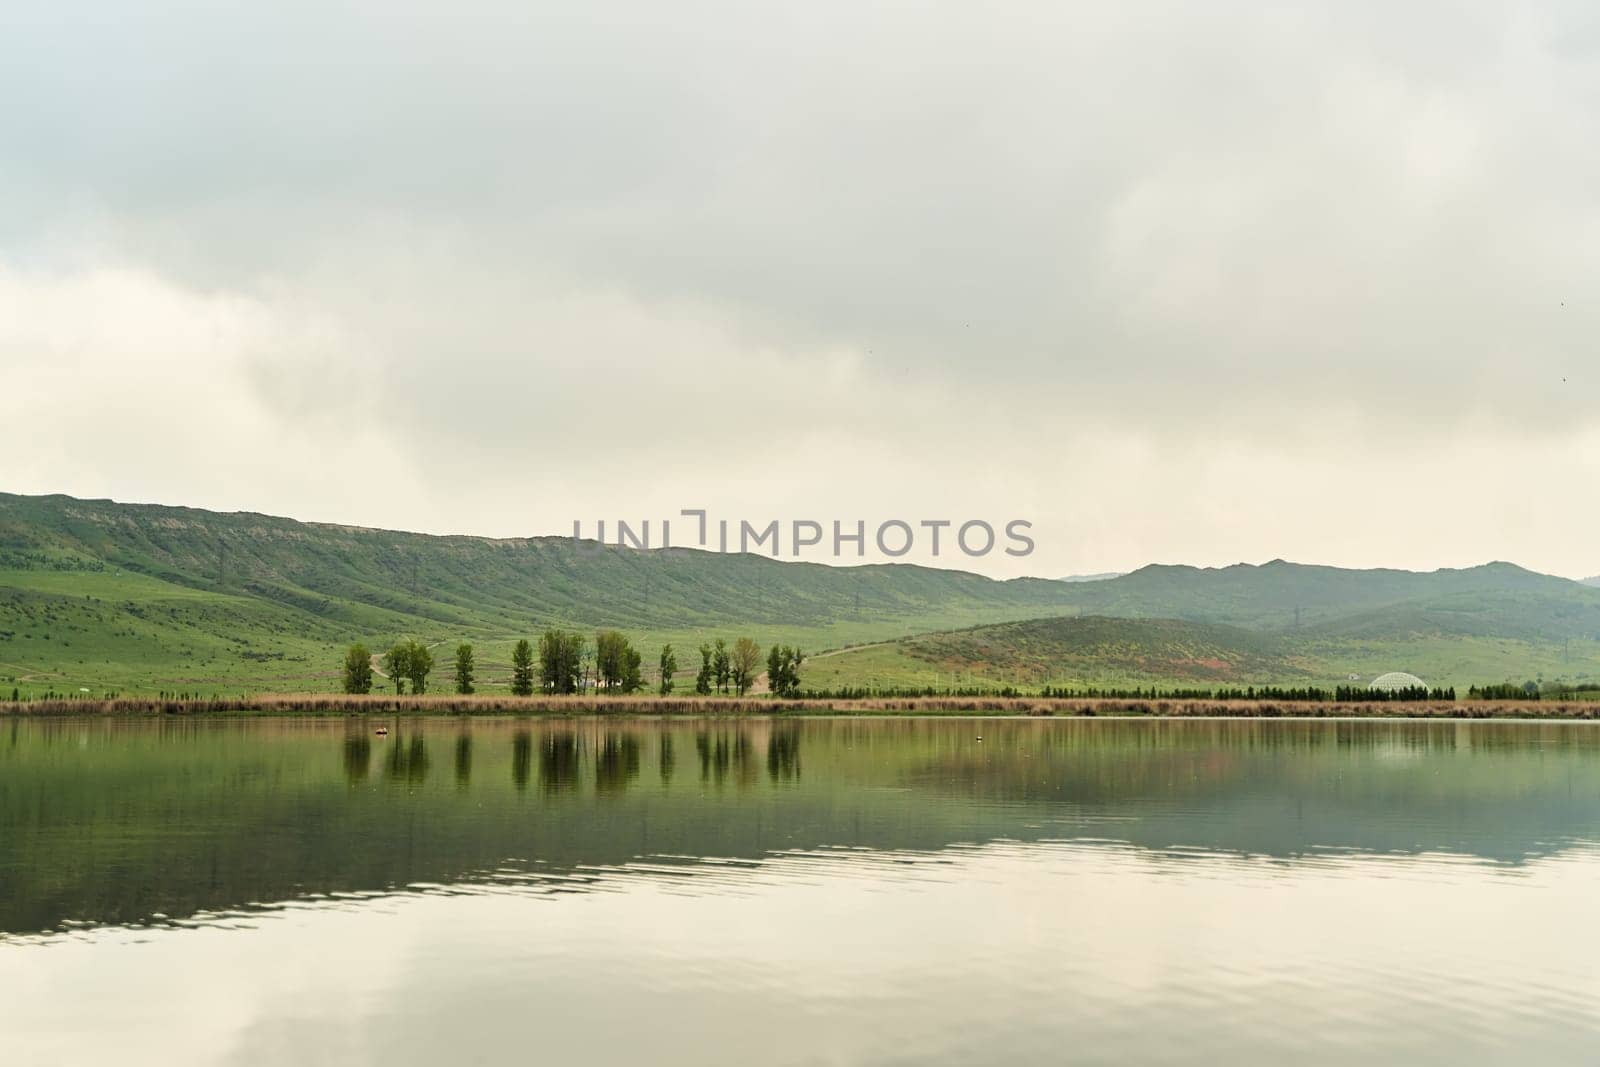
{"x": 141, "y": 599}
{"x": 65, "y": 630}
{"x": 1104, "y": 651}
{"x": 1494, "y": 600}
{"x": 138, "y": 598}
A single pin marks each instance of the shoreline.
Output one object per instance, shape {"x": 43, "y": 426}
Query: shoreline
{"x": 292, "y": 705}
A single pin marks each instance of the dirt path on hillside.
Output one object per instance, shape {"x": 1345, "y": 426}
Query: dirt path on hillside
{"x": 761, "y": 685}
{"x": 851, "y": 648}
{"x": 377, "y": 658}
{"x": 32, "y": 676}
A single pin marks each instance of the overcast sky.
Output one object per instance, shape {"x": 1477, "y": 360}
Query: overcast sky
{"x": 1177, "y": 282}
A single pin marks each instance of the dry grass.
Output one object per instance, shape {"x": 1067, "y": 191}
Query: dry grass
{"x": 689, "y": 706}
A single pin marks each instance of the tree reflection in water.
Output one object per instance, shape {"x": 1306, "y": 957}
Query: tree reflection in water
{"x": 558, "y": 763}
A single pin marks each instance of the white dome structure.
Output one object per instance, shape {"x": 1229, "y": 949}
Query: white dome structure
{"x": 1398, "y": 680}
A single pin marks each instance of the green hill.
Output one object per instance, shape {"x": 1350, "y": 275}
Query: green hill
{"x": 1110, "y": 652}
{"x": 99, "y": 595}
{"x": 377, "y": 577}
{"x": 135, "y": 597}
{"x": 1093, "y": 650}
{"x": 1496, "y": 599}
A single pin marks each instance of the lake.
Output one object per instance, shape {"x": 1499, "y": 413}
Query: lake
{"x": 814, "y": 891}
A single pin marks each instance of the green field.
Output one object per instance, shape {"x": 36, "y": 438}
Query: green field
{"x": 109, "y": 597}
{"x": 1096, "y": 651}
{"x": 64, "y": 631}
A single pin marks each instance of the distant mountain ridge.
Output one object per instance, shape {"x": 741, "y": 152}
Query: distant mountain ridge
{"x": 367, "y": 575}
{"x": 384, "y": 578}
{"x": 1494, "y": 599}
{"x": 146, "y": 584}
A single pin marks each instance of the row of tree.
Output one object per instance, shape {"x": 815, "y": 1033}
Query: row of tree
{"x": 723, "y": 668}
{"x": 1535, "y": 690}
{"x": 1342, "y": 694}
{"x": 561, "y": 663}
{"x": 1505, "y": 691}
{"x": 406, "y": 661}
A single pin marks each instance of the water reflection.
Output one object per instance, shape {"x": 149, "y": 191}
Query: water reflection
{"x": 87, "y": 832}
{"x": 558, "y": 763}
{"x": 666, "y": 759}
{"x": 408, "y": 759}
{"x": 783, "y": 754}
{"x": 357, "y": 757}
{"x": 617, "y": 763}
{"x": 521, "y": 759}
{"x": 1010, "y": 952}
{"x": 463, "y": 760}
{"x": 743, "y": 760}
{"x": 725, "y": 752}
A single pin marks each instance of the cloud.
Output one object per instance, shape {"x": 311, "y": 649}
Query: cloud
{"x": 1156, "y": 274}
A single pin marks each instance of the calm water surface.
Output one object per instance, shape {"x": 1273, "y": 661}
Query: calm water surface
{"x": 812, "y": 892}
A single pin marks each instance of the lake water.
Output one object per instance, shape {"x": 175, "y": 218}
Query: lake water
{"x": 798, "y": 892}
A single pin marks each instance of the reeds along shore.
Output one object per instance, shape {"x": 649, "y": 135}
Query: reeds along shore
{"x": 686, "y": 706}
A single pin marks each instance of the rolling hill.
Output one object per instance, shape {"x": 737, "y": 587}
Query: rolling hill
{"x": 1091, "y": 650}
{"x": 1100, "y": 651}
{"x": 100, "y": 595}
{"x": 1494, "y": 600}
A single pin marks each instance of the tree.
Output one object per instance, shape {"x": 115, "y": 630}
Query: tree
{"x": 577, "y": 659}
{"x": 720, "y": 666}
{"x": 419, "y": 661}
{"x": 358, "y": 669}
{"x": 464, "y": 668}
{"x": 397, "y": 665}
{"x": 669, "y": 667}
{"x": 702, "y": 681}
{"x": 610, "y": 658}
{"x": 550, "y": 660}
{"x": 632, "y": 681}
{"x": 522, "y": 669}
{"x": 561, "y": 660}
{"x": 616, "y": 662}
{"x": 743, "y": 663}
{"x": 783, "y": 670}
